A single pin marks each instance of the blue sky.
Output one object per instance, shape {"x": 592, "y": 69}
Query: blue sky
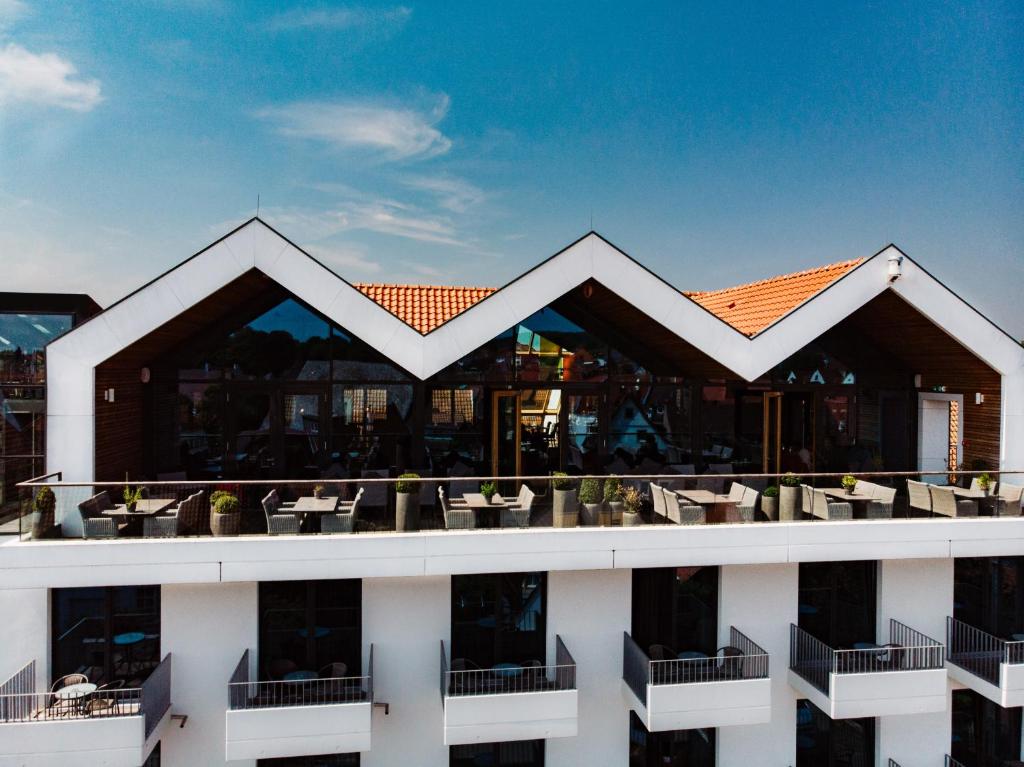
{"x": 462, "y": 143}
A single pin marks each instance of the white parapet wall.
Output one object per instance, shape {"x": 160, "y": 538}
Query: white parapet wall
{"x": 280, "y": 731}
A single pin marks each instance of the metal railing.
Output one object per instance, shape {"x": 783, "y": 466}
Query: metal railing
{"x": 978, "y": 651}
{"x": 951, "y": 762}
{"x": 21, "y": 702}
{"x": 907, "y": 650}
{"x": 742, "y": 659}
{"x": 509, "y": 678}
{"x": 893, "y": 763}
{"x": 378, "y": 512}
{"x": 245, "y": 693}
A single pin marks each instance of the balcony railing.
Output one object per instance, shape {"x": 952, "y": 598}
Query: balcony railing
{"x": 20, "y": 701}
{"x": 638, "y": 670}
{"x": 908, "y": 650}
{"x": 979, "y": 652}
{"x": 893, "y": 763}
{"x": 182, "y": 508}
{"x": 510, "y": 679}
{"x": 951, "y": 762}
{"x": 245, "y": 694}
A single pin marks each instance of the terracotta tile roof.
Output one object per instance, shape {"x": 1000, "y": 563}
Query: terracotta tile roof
{"x": 425, "y": 307}
{"x": 749, "y": 308}
{"x": 753, "y": 307}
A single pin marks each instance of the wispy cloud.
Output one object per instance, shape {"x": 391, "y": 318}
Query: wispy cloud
{"x": 11, "y": 11}
{"x": 452, "y": 193}
{"x": 45, "y": 79}
{"x": 371, "y": 19}
{"x": 342, "y": 258}
{"x": 396, "y": 133}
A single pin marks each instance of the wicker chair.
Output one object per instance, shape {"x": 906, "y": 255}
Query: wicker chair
{"x": 455, "y": 519}
{"x": 945, "y": 503}
{"x": 920, "y": 497}
{"x": 658, "y": 500}
{"x": 881, "y": 503}
{"x": 820, "y": 506}
{"x": 518, "y": 514}
{"x": 278, "y": 524}
{"x": 104, "y": 701}
{"x": 342, "y": 521}
{"x": 1007, "y": 503}
{"x": 94, "y": 524}
{"x": 193, "y": 515}
{"x": 682, "y": 515}
{"x": 160, "y": 526}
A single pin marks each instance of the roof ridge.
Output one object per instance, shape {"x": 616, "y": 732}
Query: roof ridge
{"x": 848, "y": 264}
{"x": 408, "y": 285}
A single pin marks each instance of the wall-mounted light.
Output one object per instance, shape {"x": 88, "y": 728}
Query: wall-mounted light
{"x": 588, "y": 290}
{"x": 144, "y": 375}
{"x": 979, "y": 398}
{"x": 895, "y": 267}
{"x": 917, "y": 380}
{"x": 108, "y": 395}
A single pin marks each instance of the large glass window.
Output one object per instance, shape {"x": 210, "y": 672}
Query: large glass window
{"x": 837, "y": 602}
{"x": 499, "y": 618}
{"x": 988, "y": 593}
{"x": 23, "y": 340}
{"x": 320, "y": 760}
{"x": 308, "y": 626}
{"x": 984, "y": 733}
{"x": 550, "y": 347}
{"x": 676, "y": 607}
{"x": 516, "y": 753}
{"x": 825, "y": 742}
{"x": 108, "y": 634}
{"x": 651, "y": 423}
{"x": 676, "y": 748}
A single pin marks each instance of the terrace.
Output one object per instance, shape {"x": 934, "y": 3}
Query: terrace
{"x": 989, "y": 665}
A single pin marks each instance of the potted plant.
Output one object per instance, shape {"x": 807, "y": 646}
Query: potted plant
{"x": 132, "y": 495}
{"x": 318, "y": 491}
{"x": 770, "y": 502}
{"x": 789, "y": 497}
{"x": 407, "y": 503}
{"x": 613, "y": 499}
{"x": 43, "y": 506}
{"x": 563, "y": 503}
{"x": 590, "y": 497}
{"x": 225, "y": 513}
{"x": 984, "y": 482}
{"x": 849, "y": 483}
{"x": 632, "y": 502}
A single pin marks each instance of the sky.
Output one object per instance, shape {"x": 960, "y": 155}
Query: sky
{"x": 461, "y": 143}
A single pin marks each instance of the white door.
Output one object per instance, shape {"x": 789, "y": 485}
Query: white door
{"x": 935, "y": 435}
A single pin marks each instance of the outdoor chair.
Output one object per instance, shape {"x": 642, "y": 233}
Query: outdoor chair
{"x": 278, "y": 524}
{"x": 945, "y": 503}
{"x": 663, "y": 672}
{"x": 1007, "y": 502}
{"x": 333, "y": 671}
{"x": 881, "y": 504}
{"x": 455, "y": 519}
{"x": 518, "y": 514}
{"x": 343, "y": 521}
{"x": 104, "y": 701}
{"x": 891, "y": 656}
{"x": 682, "y": 515}
{"x": 160, "y": 526}
{"x": 193, "y": 515}
{"x": 658, "y": 501}
{"x": 736, "y": 492}
{"x": 469, "y": 677}
{"x": 729, "y": 663}
{"x": 820, "y": 506}
{"x": 920, "y": 496}
{"x": 747, "y": 506}
{"x": 62, "y": 706}
{"x": 94, "y": 524}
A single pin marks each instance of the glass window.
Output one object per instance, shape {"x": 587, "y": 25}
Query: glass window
{"x": 676, "y": 748}
{"x": 321, "y": 760}
{"x": 837, "y": 602}
{"x": 307, "y": 625}
{"x": 718, "y": 422}
{"x": 550, "y": 347}
{"x": 491, "y": 362}
{"x": 369, "y": 424}
{"x": 23, "y": 340}
{"x": 583, "y": 436}
{"x": 499, "y": 618}
{"x": 815, "y": 366}
{"x": 106, "y": 633}
{"x": 22, "y": 439}
{"x": 199, "y": 431}
{"x": 455, "y": 427}
{"x": 651, "y": 422}
{"x": 517, "y": 753}
{"x": 984, "y": 732}
{"x": 825, "y": 742}
{"x": 988, "y": 593}
{"x": 676, "y": 607}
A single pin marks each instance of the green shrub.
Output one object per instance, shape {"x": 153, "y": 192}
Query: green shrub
{"x": 613, "y": 489}
{"x": 590, "y": 490}
{"x": 633, "y": 500}
{"x": 772, "y": 491}
{"x": 216, "y": 495}
{"x": 226, "y": 504}
{"x": 45, "y": 500}
{"x": 407, "y": 487}
{"x": 789, "y": 479}
{"x": 561, "y": 481}
{"x": 488, "y": 490}
{"x": 848, "y": 482}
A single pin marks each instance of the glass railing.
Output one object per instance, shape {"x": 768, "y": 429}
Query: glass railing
{"x": 52, "y": 508}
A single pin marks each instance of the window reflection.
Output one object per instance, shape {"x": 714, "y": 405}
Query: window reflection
{"x": 23, "y": 340}
{"x": 455, "y": 427}
{"x": 499, "y": 618}
{"x": 676, "y": 608}
{"x": 677, "y": 748}
{"x": 984, "y": 732}
{"x": 825, "y": 742}
{"x": 516, "y": 753}
{"x": 837, "y": 602}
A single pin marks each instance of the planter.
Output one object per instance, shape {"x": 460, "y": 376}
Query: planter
{"x": 770, "y": 507}
{"x": 225, "y": 525}
{"x": 631, "y": 519}
{"x": 789, "y": 503}
{"x": 407, "y": 512}
{"x": 318, "y": 492}
{"x": 591, "y": 514}
{"x": 563, "y": 508}
{"x": 615, "y": 509}
{"x": 42, "y": 522}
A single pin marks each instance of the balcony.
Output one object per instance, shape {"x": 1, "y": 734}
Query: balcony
{"x": 110, "y": 727}
{"x": 728, "y": 689}
{"x": 905, "y": 676}
{"x": 990, "y": 666}
{"x": 510, "y": 702}
{"x": 301, "y": 717}
{"x": 951, "y": 762}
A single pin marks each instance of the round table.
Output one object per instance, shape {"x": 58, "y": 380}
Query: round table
{"x": 319, "y": 632}
{"x": 865, "y": 646}
{"x": 692, "y": 655}
{"x": 75, "y": 694}
{"x": 129, "y": 639}
{"x": 507, "y": 670}
{"x": 299, "y": 676}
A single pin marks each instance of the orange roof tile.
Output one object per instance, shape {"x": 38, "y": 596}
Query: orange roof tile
{"x": 749, "y": 308}
{"x": 753, "y": 307}
{"x": 424, "y": 307}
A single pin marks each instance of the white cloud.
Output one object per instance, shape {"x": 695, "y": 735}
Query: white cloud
{"x": 452, "y": 193}
{"x": 396, "y": 133}
{"x": 375, "y": 19}
{"x": 11, "y": 11}
{"x": 44, "y": 79}
{"x": 341, "y": 258}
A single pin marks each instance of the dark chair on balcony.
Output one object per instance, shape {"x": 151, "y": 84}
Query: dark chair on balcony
{"x": 468, "y": 677}
{"x": 160, "y": 526}
{"x": 106, "y": 701}
{"x": 688, "y": 514}
{"x": 1007, "y": 502}
{"x": 920, "y": 497}
{"x": 729, "y": 663}
{"x": 667, "y": 672}
{"x": 278, "y": 524}
{"x": 94, "y": 524}
{"x": 193, "y": 515}
{"x": 891, "y": 656}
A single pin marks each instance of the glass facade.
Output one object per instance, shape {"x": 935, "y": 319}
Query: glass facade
{"x": 676, "y": 748}
{"x": 499, "y": 619}
{"x": 517, "y": 753}
{"x": 984, "y": 733}
{"x": 988, "y": 593}
{"x": 320, "y": 760}
{"x": 676, "y": 608}
{"x": 837, "y": 602}
{"x": 825, "y": 742}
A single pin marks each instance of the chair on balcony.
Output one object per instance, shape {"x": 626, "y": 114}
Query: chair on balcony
{"x": 729, "y": 663}
{"x": 658, "y": 501}
{"x": 920, "y": 497}
{"x": 891, "y": 656}
{"x": 663, "y": 673}
{"x": 820, "y": 506}
{"x": 344, "y": 520}
{"x": 163, "y": 526}
{"x": 455, "y": 519}
{"x": 278, "y": 524}
{"x": 279, "y": 668}
{"x": 193, "y": 515}
{"x": 104, "y": 701}
{"x": 882, "y": 500}
{"x": 682, "y": 515}
{"x": 518, "y": 514}
{"x": 1007, "y": 502}
{"x": 66, "y": 705}
{"x": 469, "y": 677}
{"x": 94, "y": 524}
{"x": 945, "y": 503}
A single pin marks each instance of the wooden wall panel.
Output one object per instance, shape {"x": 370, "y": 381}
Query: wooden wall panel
{"x": 120, "y": 444}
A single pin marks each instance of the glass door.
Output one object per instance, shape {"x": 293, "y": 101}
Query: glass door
{"x": 254, "y": 452}
{"x": 771, "y": 452}
{"x": 506, "y": 438}
{"x": 303, "y": 432}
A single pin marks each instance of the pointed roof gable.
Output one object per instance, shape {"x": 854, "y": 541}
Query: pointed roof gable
{"x": 424, "y": 307}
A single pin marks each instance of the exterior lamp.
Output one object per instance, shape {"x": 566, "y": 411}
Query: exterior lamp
{"x": 895, "y": 267}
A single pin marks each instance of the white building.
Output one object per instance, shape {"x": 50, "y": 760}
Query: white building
{"x": 859, "y": 630}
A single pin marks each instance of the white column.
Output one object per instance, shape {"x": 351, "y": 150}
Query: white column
{"x": 25, "y": 633}
{"x": 761, "y": 601}
{"x": 406, "y": 619}
{"x": 590, "y": 610}
{"x": 919, "y": 593}
{"x": 206, "y": 628}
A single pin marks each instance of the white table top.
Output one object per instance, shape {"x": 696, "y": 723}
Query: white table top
{"x": 309, "y": 504}
{"x": 704, "y": 496}
{"x": 841, "y": 494}
{"x": 73, "y": 691}
{"x": 143, "y": 506}
{"x": 477, "y": 501}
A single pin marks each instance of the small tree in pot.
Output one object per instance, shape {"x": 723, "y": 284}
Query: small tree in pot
{"x": 789, "y": 497}
{"x": 632, "y": 503}
{"x": 849, "y": 483}
{"x": 590, "y": 497}
{"x": 318, "y": 491}
{"x": 407, "y": 503}
{"x": 488, "y": 490}
{"x": 563, "y": 502}
{"x": 770, "y": 502}
{"x": 225, "y": 514}
{"x": 43, "y": 507}
{"x": 613, "y": 499}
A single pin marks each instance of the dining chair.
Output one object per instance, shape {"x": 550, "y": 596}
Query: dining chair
{"x": 946, "y": 504}
{"x": 920, "y": 496}
{"x": 690, "y": 514}
{"x": 658, "y": 501}
{"x": 455, "y": 519}
{"x": 278, "y": 524}
{"x": 343, "y": 521}
{"x": 105, "y": 701}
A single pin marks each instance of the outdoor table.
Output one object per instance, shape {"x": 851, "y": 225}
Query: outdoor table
{"x": 128, "y": 640}
{"x": 74, "y": 694}
{"x": 485, "y": 511}
{"x": 144, "y": 507}
{"x": 716, "y": 502}
{"x": 985, "y": 499}
{"x": 300, "y": 676}
{"x": 507, "y": 670}
{"x": 309, "y": 504}
{"x": 857, "y": 500}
